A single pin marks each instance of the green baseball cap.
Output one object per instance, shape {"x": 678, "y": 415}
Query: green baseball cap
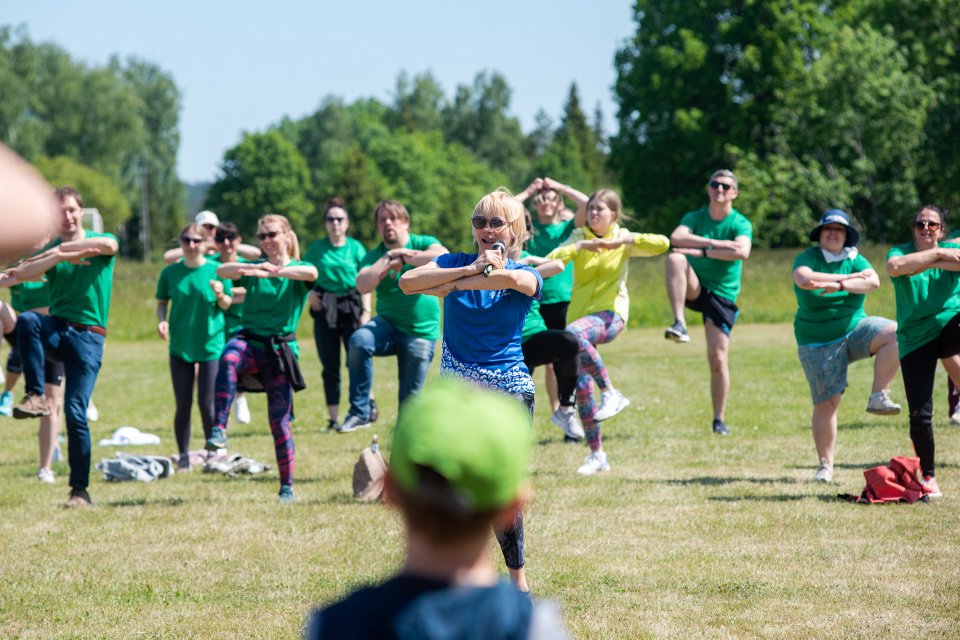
{"x": 478, "y": 440}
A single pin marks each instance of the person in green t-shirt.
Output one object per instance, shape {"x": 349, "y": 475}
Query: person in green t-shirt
{"x": 195, "y": 332}
{"x": 703, "y": 274}
{"x": 405, "y": 326}
{"x": 34, "y": 296}
{"x": 336, "y": 306}
{"x": 552, "y": 227}
{"x": 79, "y": 268}
{"x": 925, "y": 280}
{"x": 264, "y": 354}
{"x": 832, "y": 329}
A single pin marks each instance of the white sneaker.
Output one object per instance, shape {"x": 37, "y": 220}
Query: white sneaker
{"x": 92, "y": 413}
{"x": 824, "y": 472}
{"x": 241, "y": 409}
{"x": 567, "y": 419}
{"x": 46, "y": 476}
{"x": 881, "y": 404}
{"x": 594, "y": 463}
{"x": 611, "y": 403}
{"x": 955, "y": 419}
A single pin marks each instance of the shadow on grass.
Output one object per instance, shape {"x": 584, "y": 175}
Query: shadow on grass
{"x": 713, "y": 481}
{"x": 777, "y": 498}
{"x": 145, "y": 502}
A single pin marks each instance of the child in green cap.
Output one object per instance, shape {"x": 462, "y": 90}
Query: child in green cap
{"x": 451, "y": 480}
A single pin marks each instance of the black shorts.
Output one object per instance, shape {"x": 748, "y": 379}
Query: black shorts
{"x": 52, "y": 371}
{"x": 721, "y": 312}
{"x": 555, "y": 315}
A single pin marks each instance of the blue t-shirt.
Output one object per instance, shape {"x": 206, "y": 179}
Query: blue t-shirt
{"x": 485, "y": 327}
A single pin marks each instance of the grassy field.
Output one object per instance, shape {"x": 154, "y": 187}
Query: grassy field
{"x": 689, "y": 535}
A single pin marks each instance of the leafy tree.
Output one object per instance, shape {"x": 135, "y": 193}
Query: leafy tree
{"x": 418, "y": 105}
{"x": 698, "y": 76}
{"x": 158, "y": 110}
{"x": 477, "y": 119}
{"x": 263, "y": 174}
{"x": 99, "y": 191}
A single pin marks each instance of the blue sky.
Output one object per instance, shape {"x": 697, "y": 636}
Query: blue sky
{"x": 243, "y": 65}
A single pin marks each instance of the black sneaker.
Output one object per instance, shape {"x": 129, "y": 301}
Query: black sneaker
{"x": 571, "y": 440}
{"x": 331, "y": 425}
{"x": 677, "y": 332}
{"x": 217, "y": 439}
{"x": 374, "y": 411}
{"x": 79, "y": 498}
{"x": 720, "y": 428}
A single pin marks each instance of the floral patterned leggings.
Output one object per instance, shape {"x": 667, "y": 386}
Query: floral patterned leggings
{"x": 597, "y": 328}
{"x": 238, "y": 357}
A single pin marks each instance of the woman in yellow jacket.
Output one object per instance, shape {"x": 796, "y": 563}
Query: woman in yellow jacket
{"x": 601, "y": 252}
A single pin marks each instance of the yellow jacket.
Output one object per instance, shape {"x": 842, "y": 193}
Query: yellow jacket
{"x": 600, "y": 277}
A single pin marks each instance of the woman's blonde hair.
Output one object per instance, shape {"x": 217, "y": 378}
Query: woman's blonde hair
{"x": 293, "y": 244}
{"x": 191, "y": 227}
{"x": 502, "y": 203}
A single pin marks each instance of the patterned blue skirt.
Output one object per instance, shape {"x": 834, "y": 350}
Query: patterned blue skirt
{"x": 514, "y": 382}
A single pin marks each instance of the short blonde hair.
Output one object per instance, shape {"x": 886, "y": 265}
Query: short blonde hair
{"x": 501, "y": 202}
{"x": 293, "y": 244}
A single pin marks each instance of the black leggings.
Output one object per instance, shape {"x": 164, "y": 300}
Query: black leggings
{"x": 328, "y": 341}
{"x": 918, "y": 370}
{"x": 559, "y": 348}
{"x": 182, "y": 374}
{"x": 511, "y": 542}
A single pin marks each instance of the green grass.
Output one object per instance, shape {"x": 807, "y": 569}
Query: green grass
{"x": 689, "y": 535}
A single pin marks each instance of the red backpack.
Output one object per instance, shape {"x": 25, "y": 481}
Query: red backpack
{"x": 896, "y": 482}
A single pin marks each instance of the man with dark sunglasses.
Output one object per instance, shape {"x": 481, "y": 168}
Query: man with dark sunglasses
{"x": 703, "y": 274}
{"x": 406, "y": 326}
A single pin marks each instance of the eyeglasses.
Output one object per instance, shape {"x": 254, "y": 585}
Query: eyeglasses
{"x": 189, "y": 240}
{"x": 268, "y": 234}
{"x": 225, "y": 237}
{"x": 335, "y": 219}
{"x": 479, "y": 222}
{"x": 721, "y": 186}
{"x": 920, "y": 225}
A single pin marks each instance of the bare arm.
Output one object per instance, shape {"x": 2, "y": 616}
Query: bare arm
{"x": 919, "y": 261}
{"x": 105, "y": 246}
{"x": 231, "y": 270}
{"x": 223, "y": 299}
{"x": 531, "y": 189}
{"x": 550, "y": 268}
{"x": 249, "y": 252}
{"x": 163, "y": 327}
{"x": 860, "y": 282}
{"x": 172, "y": 255}
{"x": 516, "y": 279}
{"x": 577, "y": 196}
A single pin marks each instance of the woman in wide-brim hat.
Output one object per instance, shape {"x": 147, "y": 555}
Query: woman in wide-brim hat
{"x": 832, "y": 329}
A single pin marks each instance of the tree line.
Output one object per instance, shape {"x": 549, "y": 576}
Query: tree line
{"x": 853, "y": 104}
{"x": 110, "y": 130}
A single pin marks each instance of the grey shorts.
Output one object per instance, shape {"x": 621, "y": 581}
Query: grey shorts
{"x": 826, "y": 365}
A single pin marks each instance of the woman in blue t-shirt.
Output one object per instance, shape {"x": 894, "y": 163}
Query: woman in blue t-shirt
{"x": 486, "y": 297}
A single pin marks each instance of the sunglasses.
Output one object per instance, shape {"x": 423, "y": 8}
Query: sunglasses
{"x": 920, "y": 225}
{"x": 225, "y": 237}
{"x": 268, "y": 234}
{"x": 189, "y": 240}
{"x": 721, "y": 186}
{"x": 209, "y": 226}
{"x": 335, "y": 219}
{"x": 479, "y": 222}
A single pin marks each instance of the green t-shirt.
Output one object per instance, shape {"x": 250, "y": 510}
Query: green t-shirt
{"x": 196, "y": 322}
{"x": 337, "y": 266}
{"x": 272, "y": 306}
{"x": 29, "y": 295}
{"x": 233, "y": 317}
{"x": 544, "y": 239}
{"x": 830, "y": 316}
{"x": 926, "y": 301}
{"x": 416, "y": 315}
{"x": 533, "y": 323}
{"x": 719, "y": 276}
{"x": 81, "y": 292}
